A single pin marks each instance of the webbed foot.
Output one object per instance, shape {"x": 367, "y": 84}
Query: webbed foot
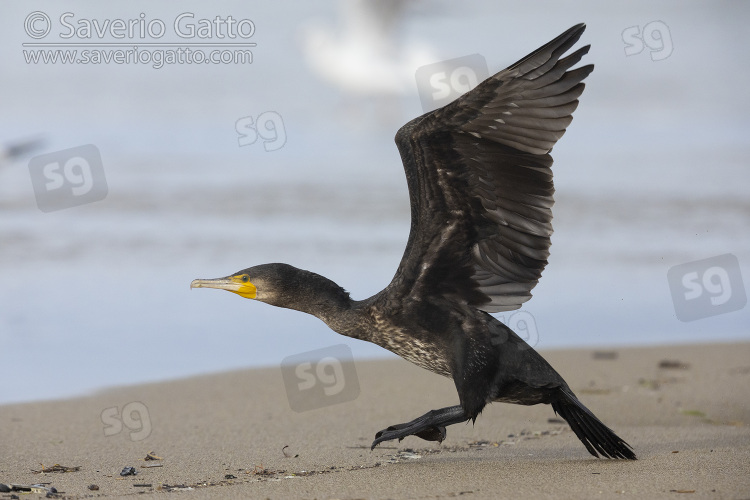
{"x": 430, "y": 426}
{"x": 400, "y": 431}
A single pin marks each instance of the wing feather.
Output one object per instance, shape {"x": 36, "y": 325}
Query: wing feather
{"x": 480, "y": 181}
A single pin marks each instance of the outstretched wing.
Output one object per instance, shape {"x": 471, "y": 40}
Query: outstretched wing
{"x": 480, "y": 182}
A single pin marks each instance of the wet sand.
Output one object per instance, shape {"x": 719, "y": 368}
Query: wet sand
{"x": 685, "y": 410}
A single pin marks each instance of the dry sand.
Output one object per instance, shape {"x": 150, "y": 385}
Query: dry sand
{"x": 224, "y": 435}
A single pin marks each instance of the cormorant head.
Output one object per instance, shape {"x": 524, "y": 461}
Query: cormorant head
{"x": 280, "y": 285}
{"x": 258, "y": 282}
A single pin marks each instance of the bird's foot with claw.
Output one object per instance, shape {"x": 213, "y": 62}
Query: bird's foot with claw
{"x": 400, "y": 431}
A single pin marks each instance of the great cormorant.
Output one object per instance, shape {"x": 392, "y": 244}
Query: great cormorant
{"x": 480, "y": 188}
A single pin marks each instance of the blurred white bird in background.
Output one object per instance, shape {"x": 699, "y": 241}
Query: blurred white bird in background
{"x": 366, "y": 55}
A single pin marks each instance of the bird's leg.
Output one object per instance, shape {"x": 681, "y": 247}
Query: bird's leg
{"x": 430, "y": 426}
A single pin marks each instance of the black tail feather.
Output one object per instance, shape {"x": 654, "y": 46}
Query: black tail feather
{"x": 597, "y": 437}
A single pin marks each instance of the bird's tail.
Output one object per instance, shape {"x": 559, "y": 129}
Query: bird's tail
{"x": 597, "y": 437}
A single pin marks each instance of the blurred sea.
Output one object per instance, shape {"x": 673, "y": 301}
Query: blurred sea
{"x": 652, "y": 173}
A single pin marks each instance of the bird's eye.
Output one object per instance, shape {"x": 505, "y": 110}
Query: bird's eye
{"x": 245, "y": 278}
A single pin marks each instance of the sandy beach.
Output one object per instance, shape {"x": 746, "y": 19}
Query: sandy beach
{"x": 685, "y": 410}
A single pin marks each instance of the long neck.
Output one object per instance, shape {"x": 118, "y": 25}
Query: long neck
{"x": 317, "y": 295}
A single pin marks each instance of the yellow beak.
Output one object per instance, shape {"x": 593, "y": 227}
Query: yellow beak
{"x": 239, "y": 284}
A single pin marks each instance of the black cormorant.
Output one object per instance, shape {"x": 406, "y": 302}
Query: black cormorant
{"x": 480, "y": 188}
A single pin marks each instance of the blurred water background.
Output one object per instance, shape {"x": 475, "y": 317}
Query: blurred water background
{"x": 652, "y": 173}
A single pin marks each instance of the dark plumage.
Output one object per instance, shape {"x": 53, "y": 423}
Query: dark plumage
{"x": 481, "y": 191}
